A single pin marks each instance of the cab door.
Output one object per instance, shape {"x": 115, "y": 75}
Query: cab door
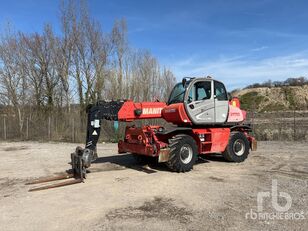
{"x": 221, "y": 102}
{"x": 199, "y": 102}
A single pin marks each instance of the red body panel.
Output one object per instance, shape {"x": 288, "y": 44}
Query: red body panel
{"x": 150, "y": 110}
{"x": 141, "y": 140}
{"x": 215, "y": 139}
{"x": 145, "y": 141}
{"x": 176, "y": 114}
{"x": 235, "y": 112}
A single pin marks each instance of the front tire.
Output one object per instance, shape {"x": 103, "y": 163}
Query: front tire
{"x": 183, "y": 153}
{"x": 237, "y": 149}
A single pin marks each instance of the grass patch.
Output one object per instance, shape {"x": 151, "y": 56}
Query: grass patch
{"x": 273, "y": 107}
{"x": 251, "y": 100}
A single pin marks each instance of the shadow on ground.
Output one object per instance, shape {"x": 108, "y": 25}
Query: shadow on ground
{"x": 124, "y": 161}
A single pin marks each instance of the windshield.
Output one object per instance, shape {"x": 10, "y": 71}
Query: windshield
{"x": 177, "y": 94}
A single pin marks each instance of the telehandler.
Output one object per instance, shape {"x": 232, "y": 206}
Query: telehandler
{"x": 206, "y": 120}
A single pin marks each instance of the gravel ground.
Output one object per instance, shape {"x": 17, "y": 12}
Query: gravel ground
{"x": 119, "y": 194}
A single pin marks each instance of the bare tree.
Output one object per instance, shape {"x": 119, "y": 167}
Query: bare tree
{"x": 43, "y": 72}
{"x": 31, "y": 68}
{"x": 167, "y": 80}
{"x": 41, "y": 57}
{"x": 12, "y": 78}
{"x": 119, "y": 41}
{"x": 89, "y": 48}
{"x": 65, "y": 48}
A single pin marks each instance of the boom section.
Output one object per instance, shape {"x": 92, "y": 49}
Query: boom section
{"x": 118, "y": 111}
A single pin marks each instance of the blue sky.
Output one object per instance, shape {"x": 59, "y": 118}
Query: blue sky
{"x": 239, "y": 42}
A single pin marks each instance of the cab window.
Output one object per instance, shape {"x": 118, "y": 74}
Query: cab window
{"x": 203, "y": 90}
{"x": 177, "y": 94}
{"x": 220, "y": 91}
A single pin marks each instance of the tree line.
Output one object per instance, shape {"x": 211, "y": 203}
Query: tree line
{"x": 300, "y": 81}
{"x": 46, "y": 73}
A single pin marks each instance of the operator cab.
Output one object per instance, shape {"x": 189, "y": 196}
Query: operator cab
{"x": 205, "y": 100}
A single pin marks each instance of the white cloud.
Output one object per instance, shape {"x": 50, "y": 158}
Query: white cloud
{"x": 259, "y": 49}
{"x": 240, "y": 71}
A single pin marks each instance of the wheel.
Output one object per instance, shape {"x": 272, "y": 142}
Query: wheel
{"x": 183, "y": 153}
{"x": 237, "y": 149}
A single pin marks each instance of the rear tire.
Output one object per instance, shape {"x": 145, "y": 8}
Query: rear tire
{"x": 183, "y": 153}
{"x": 237, "y": 149}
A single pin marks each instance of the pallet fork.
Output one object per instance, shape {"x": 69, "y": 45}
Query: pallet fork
{"x": 78, "y": 172}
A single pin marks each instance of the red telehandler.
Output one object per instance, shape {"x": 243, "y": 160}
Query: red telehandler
{"x": 206, "y": 121}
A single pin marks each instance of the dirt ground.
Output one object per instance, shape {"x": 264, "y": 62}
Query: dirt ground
{"x": 119, "y": 194}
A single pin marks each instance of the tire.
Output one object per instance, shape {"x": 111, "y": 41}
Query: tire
{"x": 183, "y": 153}
{"x": 237, "y": 149}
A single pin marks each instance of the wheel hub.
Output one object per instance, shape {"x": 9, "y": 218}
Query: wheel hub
{"x": 239, "y": 147}
{"x": 186, "y": 153}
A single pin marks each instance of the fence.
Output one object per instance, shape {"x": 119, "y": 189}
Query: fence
{"x": 60, "y": 126}
{"x": 71, "y": 127}
{"x": 280, "y": 125}
{"x": 45, "y": 128}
